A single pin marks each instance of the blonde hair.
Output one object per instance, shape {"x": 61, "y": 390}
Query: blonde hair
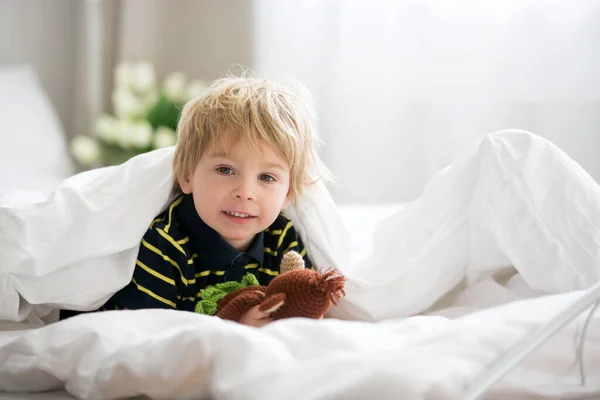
{"x": 258, "y": 112}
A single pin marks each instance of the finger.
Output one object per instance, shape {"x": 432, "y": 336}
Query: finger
{"x": 256, "y": 313}
{"x": 255, "y": 322}
{"x": 262, "y": 322}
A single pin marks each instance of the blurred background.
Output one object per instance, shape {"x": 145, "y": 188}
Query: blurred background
{"x": 401, "y": 87}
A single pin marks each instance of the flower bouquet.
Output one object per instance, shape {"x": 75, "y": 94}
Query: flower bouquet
{"x": 145, "y": 116}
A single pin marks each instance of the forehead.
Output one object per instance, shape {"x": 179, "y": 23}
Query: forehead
{"x": 239, "y": 149}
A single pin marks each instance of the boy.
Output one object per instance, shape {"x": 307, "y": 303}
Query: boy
{"x": 245, "y": 150}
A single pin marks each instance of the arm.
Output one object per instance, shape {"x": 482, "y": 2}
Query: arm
{"x": 155, "y": 281}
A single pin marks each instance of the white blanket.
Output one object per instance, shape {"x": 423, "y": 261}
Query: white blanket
{"x": 167, "y": 355}
{"x": 513, "y": 199}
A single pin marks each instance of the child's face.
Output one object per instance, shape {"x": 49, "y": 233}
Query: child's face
{"x": 252, "y": 182}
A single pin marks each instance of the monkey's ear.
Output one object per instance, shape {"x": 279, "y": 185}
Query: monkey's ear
{"x": 291, "y": 260}
{"x": 272, "y": 302}
{"x": 227, "y": 298}
{"x": 237, "y": 306}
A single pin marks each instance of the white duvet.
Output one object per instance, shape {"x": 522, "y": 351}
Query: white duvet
{"x": 512, "y": 218}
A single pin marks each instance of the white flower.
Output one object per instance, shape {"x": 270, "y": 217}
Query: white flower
{"x": 196, "y": 88}
{"x": 126, "y": 104}
{"x": 150, "y": 99}
{"x": 174, "y": 86}
{"x": 107, "y": 128}
{"x": 86, "y": 150}
{"x": 142, "y": 135}
{"x": 123, "y": 75}
{"x": 164, "y": 137}
{"x": 126, "y": 133}
{"x": 143, "y": 78}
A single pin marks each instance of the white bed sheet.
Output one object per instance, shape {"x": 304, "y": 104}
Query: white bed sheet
{"x": 512, "y": 203}
{"x": 168, "y": 355}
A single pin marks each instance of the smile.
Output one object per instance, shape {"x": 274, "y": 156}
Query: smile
{"x": 237, "y": 214}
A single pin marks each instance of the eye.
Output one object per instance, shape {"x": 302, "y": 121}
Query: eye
{"x": 266, "y": 178}
{"x": 225, "y": 170}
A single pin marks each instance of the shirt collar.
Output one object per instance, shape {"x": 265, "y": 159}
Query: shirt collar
{"x": 207, "y": 242}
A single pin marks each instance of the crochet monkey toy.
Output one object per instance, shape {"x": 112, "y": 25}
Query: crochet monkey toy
{"x": 295, "y": 292}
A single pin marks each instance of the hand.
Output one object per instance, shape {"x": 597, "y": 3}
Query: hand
{"x": 255, "y": 317}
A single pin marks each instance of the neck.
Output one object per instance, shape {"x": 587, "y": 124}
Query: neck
{"x": 240, "y": 245}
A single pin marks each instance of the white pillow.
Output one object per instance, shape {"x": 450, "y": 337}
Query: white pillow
{"x": 33, "y": 150}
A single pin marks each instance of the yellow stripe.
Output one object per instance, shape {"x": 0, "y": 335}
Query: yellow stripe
{"x": 186, "y": 298}
{"x": 293, "y": 244}
{"x": 175, "y": 203}
{"x": 157, "y": 251}
{"x": 250, "y": 266}
{"x": 171, "y": 240}
{"x": 184, "y": 240}
{"x": 274, "y": 232}
{"x": 156, "y": 220}
{"x": 206, "y": 273}
{"x": 268, "y": 271}
{"x": 156, "y": 274}
{"x": 271, "y": 252}
{"x": 303, "y": 252}
{"x": 154, "y": 295}
{"x": 287, "y": 227}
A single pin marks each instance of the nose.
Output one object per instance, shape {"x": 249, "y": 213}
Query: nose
{"x": 245, "y": 190}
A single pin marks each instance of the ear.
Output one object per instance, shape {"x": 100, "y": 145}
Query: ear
{"x": 288, "y": 199}
{"x": 185, "y": 184}
{"x": 272, "y": 302}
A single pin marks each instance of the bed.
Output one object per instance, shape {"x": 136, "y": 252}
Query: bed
{"x": 482, "y": 288}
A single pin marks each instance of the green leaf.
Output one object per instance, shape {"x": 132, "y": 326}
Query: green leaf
{"x": 206, "y": 307}
{"x": 249, "y": 280}
{"x": 113, "y": 154}
{"x": 212, "y": 294}
{"x": 164, "y": 112}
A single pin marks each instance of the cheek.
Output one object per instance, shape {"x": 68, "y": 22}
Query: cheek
{"x": 203, "y": 180}
{"x": 207, "y": 187}
{"x": 277, "y": 196}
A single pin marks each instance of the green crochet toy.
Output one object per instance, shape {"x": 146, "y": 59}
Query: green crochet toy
{"x": 212, "y": 294}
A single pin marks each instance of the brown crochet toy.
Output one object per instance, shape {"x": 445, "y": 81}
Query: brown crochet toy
{"x": 296, "y": 292}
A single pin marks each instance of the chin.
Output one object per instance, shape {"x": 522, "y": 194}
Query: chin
{"x": 236, "y": 237}
{"x": 238, "y": 234}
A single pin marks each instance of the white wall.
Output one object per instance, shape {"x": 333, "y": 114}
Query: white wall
{"x": 42, "y": 33}
{"x": 403, "y": 86}
{"x": 202, "y": 38}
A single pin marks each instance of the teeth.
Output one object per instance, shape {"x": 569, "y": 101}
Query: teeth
{"x": 236, "y": 214}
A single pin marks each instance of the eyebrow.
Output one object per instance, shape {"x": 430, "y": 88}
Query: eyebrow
{"x": 275, "y": 166}
{"x": 218, "y": 154}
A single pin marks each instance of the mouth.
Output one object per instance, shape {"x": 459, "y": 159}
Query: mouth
{"x": 239, "y": 214}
